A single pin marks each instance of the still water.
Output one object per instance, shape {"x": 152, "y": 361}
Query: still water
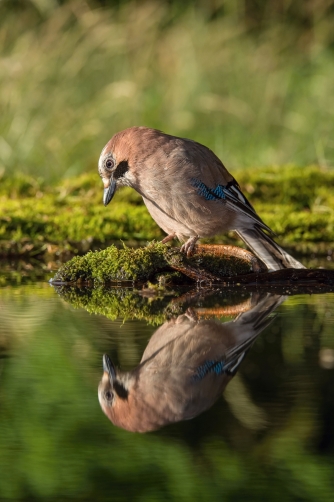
{"x": 244, "y": 382}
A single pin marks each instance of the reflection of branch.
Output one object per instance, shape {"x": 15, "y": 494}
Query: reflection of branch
{"x": 288, "y": 280}
{"x": 226, "y": 310}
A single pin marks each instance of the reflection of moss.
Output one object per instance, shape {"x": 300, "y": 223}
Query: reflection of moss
{"x": 141, "y": 264}
{"x": 297, "y": 203}
{"x": 22, "y": 274}
{"x": 118, "y": 303}
{"x": 154, "y": 305}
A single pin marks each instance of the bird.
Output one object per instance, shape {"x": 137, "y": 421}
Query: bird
{"x": 187, "y": 191}
{"x": 184, "y": 368}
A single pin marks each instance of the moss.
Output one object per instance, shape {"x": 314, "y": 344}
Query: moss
{"x": 69, "y": 218}
{"x": 129, "y": 303}
{"x": 143, "y": 264}
{"x": 113, "y": 264}
{"x": 117, "y": 303}
{"x": 300, "y": 187}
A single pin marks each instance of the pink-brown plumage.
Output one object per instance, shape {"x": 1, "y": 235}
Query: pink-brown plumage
{"x": 187, "y": 190}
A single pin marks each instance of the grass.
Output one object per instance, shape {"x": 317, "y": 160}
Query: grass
{"x": 72, "y": 76}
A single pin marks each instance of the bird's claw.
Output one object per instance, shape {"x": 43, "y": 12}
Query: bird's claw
{"x": 188, "y": 247}
{"x": 192, "y": 314}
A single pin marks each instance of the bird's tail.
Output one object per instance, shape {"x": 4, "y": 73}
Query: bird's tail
{"x": 267, "y": 250}
{"x": 247, "y": 327}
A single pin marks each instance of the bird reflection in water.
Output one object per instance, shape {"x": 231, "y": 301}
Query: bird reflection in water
{"x": 184, "y": 369}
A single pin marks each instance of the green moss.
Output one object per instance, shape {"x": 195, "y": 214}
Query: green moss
{"x": 113, "y": 264}
{"x": 303, "y": 188}
{"x": 70, "y": 219}
{"x": 121, "y": 303}
{"x": 142, "y": 264}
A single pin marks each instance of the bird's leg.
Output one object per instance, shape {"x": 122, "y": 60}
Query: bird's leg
{"x": 188, "y": 246}
{"x": 168, "y": 238}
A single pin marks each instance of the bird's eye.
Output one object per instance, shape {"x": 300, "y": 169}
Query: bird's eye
{"x": 109, "y": 395}
{"x": 110, "y": 164}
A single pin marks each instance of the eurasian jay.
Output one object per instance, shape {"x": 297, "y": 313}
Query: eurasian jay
{"x": 184, "y": 369}
{"x": 187, "y": 190}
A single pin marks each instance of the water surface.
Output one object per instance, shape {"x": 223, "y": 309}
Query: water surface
{"x": 269, "y": 437}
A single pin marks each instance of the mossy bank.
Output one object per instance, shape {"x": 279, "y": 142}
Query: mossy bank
{"x": 69, "y": 218}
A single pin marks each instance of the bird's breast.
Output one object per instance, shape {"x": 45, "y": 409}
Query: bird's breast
{"x": 185, "y": 214}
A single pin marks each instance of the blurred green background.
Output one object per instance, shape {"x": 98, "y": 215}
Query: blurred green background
{"x": 252, "y": 80}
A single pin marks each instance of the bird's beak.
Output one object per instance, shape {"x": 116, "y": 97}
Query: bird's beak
{"x": 109, "y": 192}
{"x": 109, "y": 368}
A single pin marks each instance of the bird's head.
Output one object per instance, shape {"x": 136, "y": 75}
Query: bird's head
{"x": 111, "y": 388}
{"x": 125, "y": 156}
{"x": 106, "y": 387}
{"x": 113, "y": 169}
{"x": 119, "y": 158}
{"x": 126, "y": 403}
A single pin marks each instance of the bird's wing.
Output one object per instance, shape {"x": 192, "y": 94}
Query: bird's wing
{"x": 213, "y": 182}
{"x": 195, "y": 178}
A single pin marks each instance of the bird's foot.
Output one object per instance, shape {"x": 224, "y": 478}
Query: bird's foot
{"x": 168, "y": 238}
{"x": 188, "y": 247}
{"x": 192, "y": 314}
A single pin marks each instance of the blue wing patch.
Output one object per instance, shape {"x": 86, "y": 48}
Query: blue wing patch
{"x": 229, "y": 194}
{"x": 209, "y": 193}
{"x": 229, "y": 366}
{"x": 216, "y": 367}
